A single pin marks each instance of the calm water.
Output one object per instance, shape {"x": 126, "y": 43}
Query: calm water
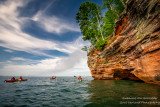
{"x": 68, "y": 92}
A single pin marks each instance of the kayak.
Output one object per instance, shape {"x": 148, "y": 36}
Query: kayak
{"x": 15, "y": 80}
{"x": 11, "y": 80}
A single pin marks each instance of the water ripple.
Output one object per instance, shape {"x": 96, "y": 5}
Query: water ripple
{"x": 68, "y": 92}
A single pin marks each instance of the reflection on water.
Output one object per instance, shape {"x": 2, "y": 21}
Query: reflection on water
{"x": 122, "y": 93}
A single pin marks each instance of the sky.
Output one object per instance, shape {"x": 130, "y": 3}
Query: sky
{"x": 41, "y": 38}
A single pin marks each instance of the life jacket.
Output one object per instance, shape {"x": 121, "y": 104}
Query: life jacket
{"x": 13, "y": 78}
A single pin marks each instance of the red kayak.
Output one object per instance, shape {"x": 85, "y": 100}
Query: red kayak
{"x": 15, "y": 80}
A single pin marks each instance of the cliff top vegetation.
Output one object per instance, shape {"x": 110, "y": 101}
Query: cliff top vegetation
{"x": 96, "y": 25}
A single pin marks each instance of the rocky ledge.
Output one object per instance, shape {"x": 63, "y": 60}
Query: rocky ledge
{"x": 133, "y": 52}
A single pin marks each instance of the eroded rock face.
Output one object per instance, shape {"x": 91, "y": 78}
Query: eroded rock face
{"x": 135, "y": 52}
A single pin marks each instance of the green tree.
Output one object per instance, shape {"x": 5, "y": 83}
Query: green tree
{"x": 96, "y": 27}
{"x": 115, "y": 8}
{"x": 90, "y": 20}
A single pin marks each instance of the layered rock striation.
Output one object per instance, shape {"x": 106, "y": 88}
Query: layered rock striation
{"x": 133, "y": 52}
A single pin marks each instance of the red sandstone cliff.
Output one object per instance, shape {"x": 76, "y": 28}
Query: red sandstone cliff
{"x": 133, "y": 53}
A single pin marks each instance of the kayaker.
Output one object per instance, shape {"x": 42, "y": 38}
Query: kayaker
{"x": 20, "y": 78}
{"x": 80, "y": 79}
{"x": 13, "y": 79}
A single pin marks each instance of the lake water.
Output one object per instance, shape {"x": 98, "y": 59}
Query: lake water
{"x": 68, "y": 92}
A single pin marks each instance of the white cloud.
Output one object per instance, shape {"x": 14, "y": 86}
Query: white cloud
{"x": 8, "y": 50}
{"x": 17, "y": 40}
{"x": 75, "y": 64}
{"x": 47, "y": 67}
{"x": 13, "y": 38}
{"x": 54, "y": 24}
{"x": 18, "y": 59}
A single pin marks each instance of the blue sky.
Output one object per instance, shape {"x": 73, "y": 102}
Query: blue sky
{"x": 41, "y": 38}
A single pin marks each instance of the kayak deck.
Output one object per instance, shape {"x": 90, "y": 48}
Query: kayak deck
{"x": 15, "y": 80}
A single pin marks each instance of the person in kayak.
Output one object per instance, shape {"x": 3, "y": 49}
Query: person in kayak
{"x": 13, "y": 79}
{"x": 20, "y": 78}
{"x": 80, "y": 79}
{"x": 53, "y": 77}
